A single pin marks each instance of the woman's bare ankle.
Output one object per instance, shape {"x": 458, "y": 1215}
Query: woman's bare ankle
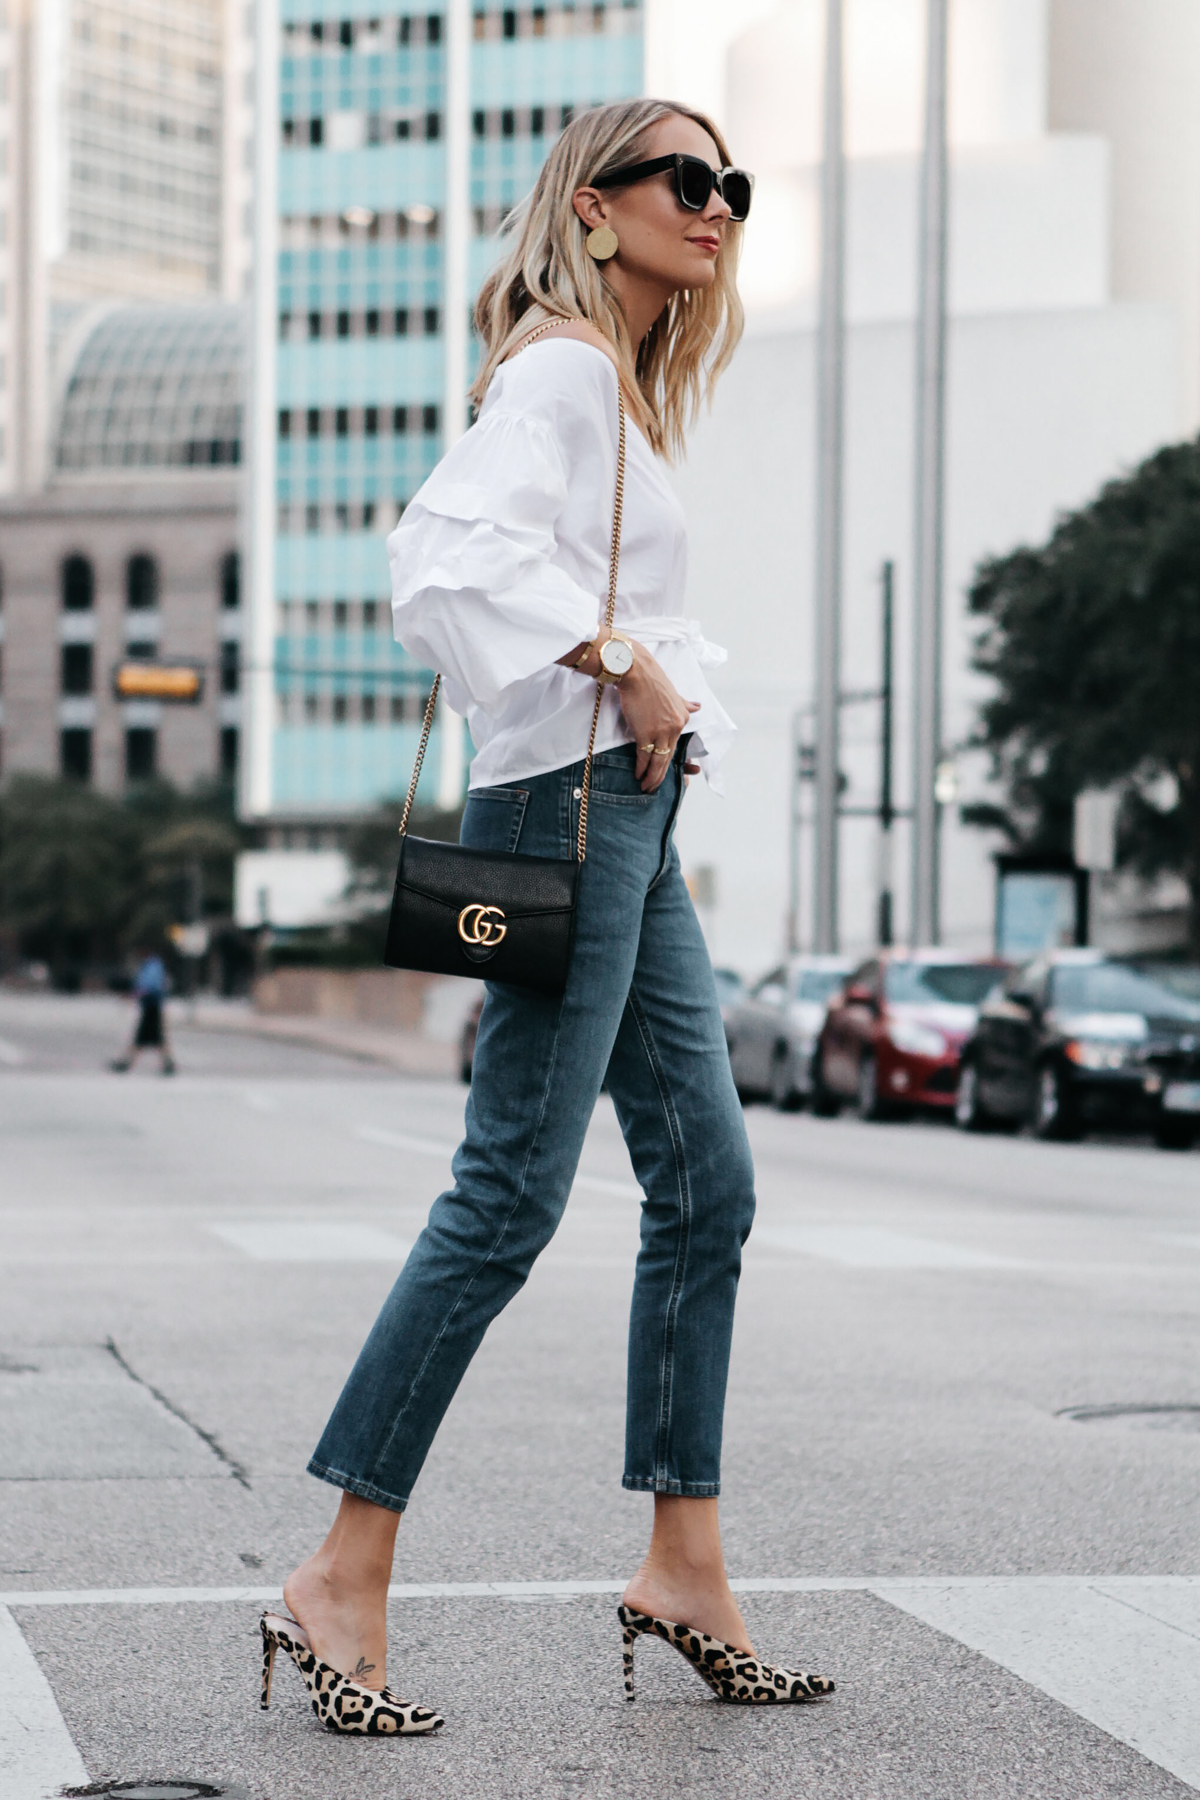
{"x": 346, "y": 1621}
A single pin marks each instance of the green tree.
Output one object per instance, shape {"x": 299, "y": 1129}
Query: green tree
{"x": 85, "y": 877}
{"x": 1093, "y": 642}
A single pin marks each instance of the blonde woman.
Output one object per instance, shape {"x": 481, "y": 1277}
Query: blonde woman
{"x": 619, "y": 280}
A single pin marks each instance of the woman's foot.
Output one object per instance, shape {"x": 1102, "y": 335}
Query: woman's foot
{"x": 339, "y": 1595}
{"x": 683, "y": 1577}
{"x": 705, "y": 1606}
{"x": 347, "y": 1630}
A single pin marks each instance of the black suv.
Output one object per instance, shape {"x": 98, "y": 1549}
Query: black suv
{"x": 1077, "y": 1039}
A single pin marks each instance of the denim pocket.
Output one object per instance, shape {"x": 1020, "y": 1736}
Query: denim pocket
{"x": 493, "y": 817}
{"x": 614, "y": 778}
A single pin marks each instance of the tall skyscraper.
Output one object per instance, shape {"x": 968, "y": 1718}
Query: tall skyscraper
{"x": 357, "y": 340}
{"x": 110, "y": 113}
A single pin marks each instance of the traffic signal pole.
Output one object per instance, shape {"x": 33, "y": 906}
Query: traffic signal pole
{"x": 830, "y": 409}
{"x": 929, "y": 466}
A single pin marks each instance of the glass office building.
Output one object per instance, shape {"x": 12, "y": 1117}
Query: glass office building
{"x": 356, "y": 418}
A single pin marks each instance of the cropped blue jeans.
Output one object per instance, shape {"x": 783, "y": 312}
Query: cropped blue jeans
{"x": 640, "y": 1008}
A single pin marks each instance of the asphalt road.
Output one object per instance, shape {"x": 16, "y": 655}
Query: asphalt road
{"x": 1007, "y": 1597}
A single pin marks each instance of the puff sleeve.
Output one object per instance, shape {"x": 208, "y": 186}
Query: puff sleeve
{"x": 480, "y": 586}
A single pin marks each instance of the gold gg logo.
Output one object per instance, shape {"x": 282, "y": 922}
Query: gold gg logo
{"x": 481, "y": 926}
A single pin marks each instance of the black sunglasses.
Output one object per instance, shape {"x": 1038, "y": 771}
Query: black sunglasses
{"x": 695, "y": 182}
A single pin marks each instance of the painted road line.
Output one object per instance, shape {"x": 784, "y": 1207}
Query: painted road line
{"x": 1123, "y": 1654}
{"x": 37, "y": 1756}
{"x": 873, "y": 1247}
{"x": 403, "y": 1140}
{"x": 1159, "y": 1592}
{"x": 312, "y": 1240}
{"x": 421, "y": 1146}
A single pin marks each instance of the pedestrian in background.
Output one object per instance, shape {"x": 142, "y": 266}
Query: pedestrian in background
{"x": 150, "y": 1033}
{"x": 617, "y": 288}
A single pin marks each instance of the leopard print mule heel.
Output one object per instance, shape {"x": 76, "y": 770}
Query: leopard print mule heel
{"x": 339, "y": 1703}
{"x": 732, "y": 1674}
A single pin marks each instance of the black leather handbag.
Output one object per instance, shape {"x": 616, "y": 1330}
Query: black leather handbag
{"x": 506, "y": 917}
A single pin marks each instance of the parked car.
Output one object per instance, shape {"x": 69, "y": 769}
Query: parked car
{"x": 1076, "y": 1039}
{"x": 891, "y": 1039}
{"x": 772, "y": 1031}
{"x": 730, "y": 988}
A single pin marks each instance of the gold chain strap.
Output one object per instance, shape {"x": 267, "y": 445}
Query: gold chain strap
{"x": 609, "y": 613}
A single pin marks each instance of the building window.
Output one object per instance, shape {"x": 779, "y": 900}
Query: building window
{"x": 368, "y": 615}
{"x": 285, "y": 424}
{"x": 141, "y": 584}
{"x": 231, "y": 581}
{"x": 314, "y": 324}
{"x": 429, "y": 418}
{"x": 314, "y": 421}
{"x": 368, "y": 709}
{"x": 431, "y": 321}
{"x": 75, "y": 754}
{"x": 141, "y": 753}
{"x": 371, "y": 321}
{"x": 229, "y": 751}
{"x": 341, "y": 615}
{"x": 400, "y": 323}
{"x": 77, "y": 668}
{"x": 399, "y": 420}
{"x": 339, "y": 709}
{"x": 343, "y": 324}
{"x": 78, "y": 586}
{"x": 231, "y": 667}
{"x": 342, "y": 421}
{"x": 312, "y": 516}
{"x": 371, "y": 421}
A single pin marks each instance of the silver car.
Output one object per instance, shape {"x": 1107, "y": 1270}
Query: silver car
{"x": 772, "y": 1032}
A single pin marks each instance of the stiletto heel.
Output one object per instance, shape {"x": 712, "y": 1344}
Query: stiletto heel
{"x": 629, "y": 1636}
{"x": 733, "y": 1675}
{"x": 340, "y": 1704}
{"x": 269, "y": 1647}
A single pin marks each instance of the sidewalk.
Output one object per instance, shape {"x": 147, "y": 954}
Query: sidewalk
{"x": 408, "y": 1052}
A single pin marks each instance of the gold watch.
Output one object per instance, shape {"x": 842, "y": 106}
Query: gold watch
{"x": 616, "y": 659}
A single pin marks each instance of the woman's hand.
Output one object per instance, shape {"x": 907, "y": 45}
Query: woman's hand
{"x": 654, "y": 710}
{"x": 656, "y": 715}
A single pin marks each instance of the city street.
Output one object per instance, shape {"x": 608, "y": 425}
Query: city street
{"x": 1008, "y": 1597}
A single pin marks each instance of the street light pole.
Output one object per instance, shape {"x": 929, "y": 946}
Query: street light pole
{"x": 929, "y": 489}
{"x": 830, "y": 406}
{"x": 456, "y": 240}
{"x": 887, "y": 811}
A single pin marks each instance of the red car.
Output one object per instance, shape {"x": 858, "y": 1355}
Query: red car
{"x": 892, "y": 1037}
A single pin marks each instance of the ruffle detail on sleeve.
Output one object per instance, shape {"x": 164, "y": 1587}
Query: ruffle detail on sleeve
{"x": 474, "y": 592}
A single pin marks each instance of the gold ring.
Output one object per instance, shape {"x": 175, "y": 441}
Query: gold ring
{"x": 657, "y": 752}
{"x": 646, "y": 747}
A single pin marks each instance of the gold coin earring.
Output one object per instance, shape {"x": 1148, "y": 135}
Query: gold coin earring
{"x": 601, "y": 243}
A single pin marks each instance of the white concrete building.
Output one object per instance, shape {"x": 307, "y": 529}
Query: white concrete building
{"x": 110, "y": 185}
{"x": 1072, "y": 348}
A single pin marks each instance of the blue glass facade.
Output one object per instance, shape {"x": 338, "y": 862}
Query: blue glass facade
{"x": 360, "y": 348}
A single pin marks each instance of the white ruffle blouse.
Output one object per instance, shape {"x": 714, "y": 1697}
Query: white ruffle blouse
{"x": 500, "y": 566}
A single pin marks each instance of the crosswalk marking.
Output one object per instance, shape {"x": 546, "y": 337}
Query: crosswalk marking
{"x": 37, "y": 1755}
{"x": 1124, "y": 1654}
{"x": 874, "y": 1247}
{"x": 312, "y": 1240}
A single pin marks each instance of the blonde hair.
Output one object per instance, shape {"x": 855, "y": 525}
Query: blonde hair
{"x": 546, "y": 273}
